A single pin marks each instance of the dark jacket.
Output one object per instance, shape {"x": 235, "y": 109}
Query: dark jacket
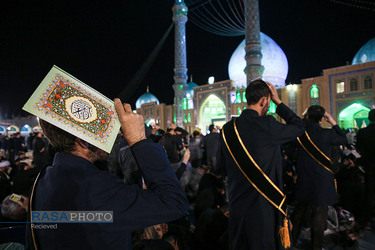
{"x": 366, "y": 145}
{"x": 40, "y": 155}
{"x": 74, "y": 184}
{"x": 253, "y": 221}
{"x": 170, "y": 143}
{"x": 211, "y": 142}
{"x": 315, "y": 184}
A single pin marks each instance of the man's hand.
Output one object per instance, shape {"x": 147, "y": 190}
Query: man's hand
{"x": 24, "y": 203}
{"x": 172, "y": 126}
{"x": 274, "y": 96}
{"x": 132, "y": 125}
{"x": 156, "y": 127}
{"x": 186, "y": 156}
{"x": 329, "y": 119}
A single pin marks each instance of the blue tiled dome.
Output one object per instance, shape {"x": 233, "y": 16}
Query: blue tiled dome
{"x": 190, "y": 90}
{"x": 146, "y": 98}
{"x": 366, "y": 53}
{"x": 274, "y": 61}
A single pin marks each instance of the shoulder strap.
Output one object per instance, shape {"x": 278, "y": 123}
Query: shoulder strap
{"x": 31, "y": 210}
{"x": 250, "y": 169}
{"x": 309, "y": 146}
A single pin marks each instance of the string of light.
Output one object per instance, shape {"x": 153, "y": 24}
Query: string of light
{"x": 221, "y": 17}
{"x": 359, "y": 4}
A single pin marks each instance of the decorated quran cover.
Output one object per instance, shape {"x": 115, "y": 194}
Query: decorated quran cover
{"x": 66, "y": 102}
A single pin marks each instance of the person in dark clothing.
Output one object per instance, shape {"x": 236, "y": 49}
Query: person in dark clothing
{"x": 315, "y": 187}
{"x": 254, "y": 222}
{"x": 4, "y": 143}
{"x": 171, "y": 141}
{"x": 5, "y": 185}
{"x": 210, "y": 195}
{"x": 211, "y": 230}
{"x": 211, "y": 142}
{"x": 19, "y": 142}
{"x": 366, "y": 146}
{"x": 29, "y": 141}
{"x": 351, "y": 188}
{"x": 196, "y": 149}
{"x": 24, "y": 179}
{"x": 73, "y": 183}
{"x": 156, "y": 133}
{"x": 10, "y": 148}
{"x": 39, "y": 151}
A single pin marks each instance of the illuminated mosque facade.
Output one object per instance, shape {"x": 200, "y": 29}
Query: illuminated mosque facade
{"x": 346, "y": 92}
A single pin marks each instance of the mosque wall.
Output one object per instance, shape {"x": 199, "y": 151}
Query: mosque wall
{"x": 336, "y": 90}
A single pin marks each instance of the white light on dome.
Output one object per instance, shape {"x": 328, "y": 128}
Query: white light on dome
{"x": 211, "y": 80}
{"x": 274, "y": 61}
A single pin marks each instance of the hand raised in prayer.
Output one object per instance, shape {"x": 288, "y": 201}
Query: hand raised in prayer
{"x": 274, "y": 96}
{"x": 132, "y": 125}
{"x": 329, "y": 119}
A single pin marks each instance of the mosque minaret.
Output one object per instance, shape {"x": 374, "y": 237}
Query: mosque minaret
{"x": 180, "y": 70}
{"x": 253, "y": 47}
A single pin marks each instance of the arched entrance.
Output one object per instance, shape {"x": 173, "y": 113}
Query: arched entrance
{"x": 354, "y": 116}
{"x": 2, "y": 130}
{"x": 212, "y": 111}
{"x": 12, "y": 129}
{"x": 26, "y": 130}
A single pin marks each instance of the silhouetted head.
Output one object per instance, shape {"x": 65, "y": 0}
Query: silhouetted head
{"x": 315, "y": 114}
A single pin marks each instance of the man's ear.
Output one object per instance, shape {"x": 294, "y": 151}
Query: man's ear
{"x": 263, "y": 101}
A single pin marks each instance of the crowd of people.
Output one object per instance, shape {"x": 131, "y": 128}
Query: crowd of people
{"x": 225, "y": 207}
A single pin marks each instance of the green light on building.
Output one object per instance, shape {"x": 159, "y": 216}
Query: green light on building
{"x": 184, "y": 104}
{"x": 189, "y": 117}
{"x": 185, "y": 120}
{"x": 314, "y": 92}
{"x": 272, "y": 108}
{"x": 238, "y": 110}
{"x": 244, "y": 97}
{"x": 354, "y": 116}
{"x": 238, "y": 97}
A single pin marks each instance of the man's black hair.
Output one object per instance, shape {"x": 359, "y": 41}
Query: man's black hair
{"x": 211, "y": 128}
{"x": 315, "y": 114}
{"x": 61, "y": 140}
{"x": 371, "y": 115}
{"x": 256, "y": 90}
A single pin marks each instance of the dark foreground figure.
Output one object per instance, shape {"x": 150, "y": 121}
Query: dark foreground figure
{"x": 253, "y": 221}
{"x": 73, "y": 183}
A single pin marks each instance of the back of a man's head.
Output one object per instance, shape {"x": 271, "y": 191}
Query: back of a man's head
{"x": 196, "y": 133}
{"x": 256, "y": 90}
{"x": 371, "y": 115}
{"x": 315, "y": 114}
{"x": 61, "y": 140}
{"x": 211, "y": 128}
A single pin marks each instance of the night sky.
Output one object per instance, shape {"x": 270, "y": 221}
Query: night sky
{"x": 104, "y": 43}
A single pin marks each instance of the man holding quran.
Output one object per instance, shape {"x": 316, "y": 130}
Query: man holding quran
{"x": 316, "y": 186}
{"x": 249, "y": 154}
